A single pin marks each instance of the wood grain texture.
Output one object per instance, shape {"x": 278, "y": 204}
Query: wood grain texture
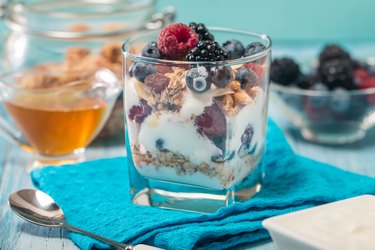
{"x": 18, "y": 234}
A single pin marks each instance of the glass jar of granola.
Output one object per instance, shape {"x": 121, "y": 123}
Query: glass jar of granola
{"x": 79, "y": 36}
{"x": 196, "y": 115}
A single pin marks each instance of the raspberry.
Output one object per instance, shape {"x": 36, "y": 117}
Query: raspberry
{"x": 157, "y": 82}
{"x": 175, "y": 40}
{"x": 368, "y": 83}
{"x": 361, "y": 75}
{"x": 139, "y": 112}
{"x": 212, "y": 122}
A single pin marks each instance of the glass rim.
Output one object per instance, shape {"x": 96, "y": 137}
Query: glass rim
{"x": 246, "y": 59}
{"x": 15, "y": 13}
{"x": 316, "y": 93}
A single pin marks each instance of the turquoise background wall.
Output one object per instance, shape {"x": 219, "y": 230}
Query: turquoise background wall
{"x": 327, "y": 20}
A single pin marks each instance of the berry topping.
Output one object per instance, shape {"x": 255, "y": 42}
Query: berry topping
{"x": 138, "y": 113}
{"x": 253, "y": 48}
{"x": 175, "y": 40}
{"x": 151, "y": 50}
{"x": 247, "y": 78}
{"x": 247, "y": 135}
{"x": 332, "y": 52}
{"x": 141, "y": 70}
{"x": 212, "y": 122}
{"x": 157, "y": 82}
{"x": 284, "y": 71}
{"x": 202, "y": 31}
{"x": 234, "y": 48}
{"x": 207, "y": 51}
{"x": 337, "y": 73}
{"x": 221, "y": 76}
{"x": 197, "y": 80}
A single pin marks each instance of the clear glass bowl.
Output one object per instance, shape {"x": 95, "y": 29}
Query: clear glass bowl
{"x": 76, "y": 36}
{"x": 192, "y": 145}
{"x": 331, "y": 117}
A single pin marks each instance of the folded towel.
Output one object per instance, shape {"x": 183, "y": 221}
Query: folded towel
{"x": 95, "y": 196}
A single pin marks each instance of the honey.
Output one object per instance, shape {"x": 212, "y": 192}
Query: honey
{"x": 56, "y": 126}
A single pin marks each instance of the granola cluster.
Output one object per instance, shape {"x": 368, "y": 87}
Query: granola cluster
{"x": 79, "y": 64}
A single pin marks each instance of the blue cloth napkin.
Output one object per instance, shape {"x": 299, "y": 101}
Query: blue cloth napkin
{"x": 95, "y": 196}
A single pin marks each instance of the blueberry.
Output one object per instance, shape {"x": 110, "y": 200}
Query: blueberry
{"x": 319, "y": 101}
{"x": 234, "y": 48}
{"x": 253, "y": 48}
{"x": 159, "y": 144}
{"x": 247, "y": 78}
{"x": 141, "y": 70}
{"x": 151, "y": 50}
{"x": 247, "y": 135}
{"x": 340, "y": 100}
{"x": 197, "y": 80}
{"x": 221, "y": 76}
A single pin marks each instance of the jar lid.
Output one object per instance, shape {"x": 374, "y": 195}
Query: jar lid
{"x": 79, "y": 19}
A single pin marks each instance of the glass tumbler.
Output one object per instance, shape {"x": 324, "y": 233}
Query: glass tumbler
{"x": 195, "y": 145}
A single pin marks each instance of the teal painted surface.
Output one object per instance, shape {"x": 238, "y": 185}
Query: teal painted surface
{"x": 330, "y": 20}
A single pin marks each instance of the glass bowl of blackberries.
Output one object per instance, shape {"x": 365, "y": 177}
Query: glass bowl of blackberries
{"x": 334, "y": 103}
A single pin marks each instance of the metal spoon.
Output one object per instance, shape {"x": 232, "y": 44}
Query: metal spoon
{"x": 39, "y": 208}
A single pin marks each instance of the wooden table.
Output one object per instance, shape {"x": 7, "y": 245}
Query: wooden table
{"x": 15, "y": 233}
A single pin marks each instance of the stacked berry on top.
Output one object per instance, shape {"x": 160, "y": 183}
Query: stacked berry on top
{"x": 336, "y": 70}
{"x": 195, "y": 43}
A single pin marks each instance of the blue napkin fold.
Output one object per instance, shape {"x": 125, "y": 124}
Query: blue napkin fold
{"x": 95, "y": 196}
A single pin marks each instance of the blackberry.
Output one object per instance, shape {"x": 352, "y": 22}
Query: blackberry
{"x": 337, "y": 73}
{"x": 202, "y": 31}
{"x": 331, "y": 52}
{"x": 207, "y": 51}
{"x": 284, "y": 71}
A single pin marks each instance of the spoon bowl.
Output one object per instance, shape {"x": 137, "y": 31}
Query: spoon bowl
{"x": 37, "y": 207}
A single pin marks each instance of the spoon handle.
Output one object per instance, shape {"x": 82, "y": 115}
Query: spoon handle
{"x": 98, "y": 237}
